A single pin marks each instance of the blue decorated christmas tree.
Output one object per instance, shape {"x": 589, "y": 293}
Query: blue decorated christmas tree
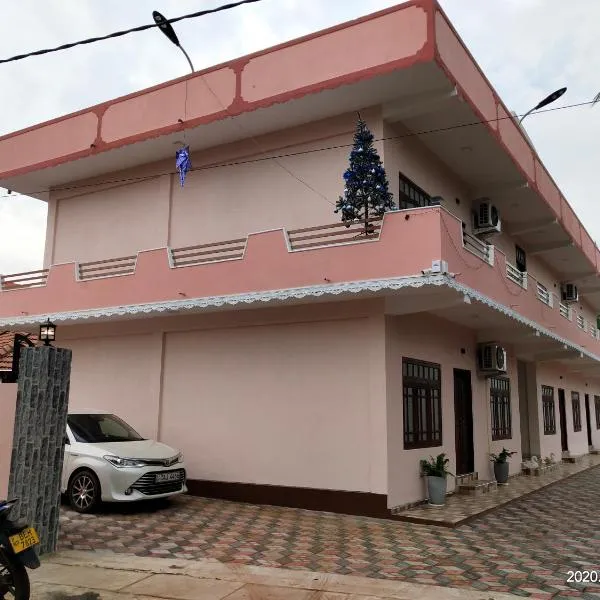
{"x": 366, "y": 192}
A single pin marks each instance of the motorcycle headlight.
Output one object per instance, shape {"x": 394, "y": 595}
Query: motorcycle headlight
{"x": 117, "y": 461}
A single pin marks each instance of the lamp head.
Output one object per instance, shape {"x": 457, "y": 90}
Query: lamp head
{"x": 165, "y": 27}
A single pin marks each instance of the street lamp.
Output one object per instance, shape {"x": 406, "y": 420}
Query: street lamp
{"x": 167, "y": 29}
{"x": 547, "y": 100}
{"x": 47, "y": 332}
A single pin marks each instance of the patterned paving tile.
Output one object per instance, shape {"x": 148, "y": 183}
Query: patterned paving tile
{"x": 526, "y": 547}
{"x": 460, "y": 508}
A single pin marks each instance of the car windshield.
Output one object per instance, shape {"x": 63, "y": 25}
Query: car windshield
{"x": 95, "y": 429}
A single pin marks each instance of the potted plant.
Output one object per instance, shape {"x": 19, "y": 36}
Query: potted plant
{"x": 501, "y": 465}
{"x": 436, "y": 471}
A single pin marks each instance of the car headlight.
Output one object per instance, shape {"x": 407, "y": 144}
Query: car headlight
{"x": 117, "y": 461}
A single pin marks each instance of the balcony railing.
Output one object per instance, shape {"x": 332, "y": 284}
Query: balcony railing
{"x": 516, "y": 276}
{"x": 593, "y": 332}
{"x": 208, "y": 253}
{"x": 19, "y": 281}
{"x": 335, "y": 233}
{"x": 565, "y": 311}
{"x": 479, "y": 248}
{"x": 544, "y": 295}
{"x": 110, "y": 267}
{"x": 581, "y": 322}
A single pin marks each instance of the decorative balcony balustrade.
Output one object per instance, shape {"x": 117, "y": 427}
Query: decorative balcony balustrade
{"x": 565, "y": 311}
{"x": 516, "y": 276}
{"x": 208, "y": 253}
{"x": 478, "y": 247}
{"x": 19, "y": 281}
{"x": 295, "y": 258}
{"x": 335, "y": 233}
{"x": 110, "y": 267}
{"x": 544, "y": 295}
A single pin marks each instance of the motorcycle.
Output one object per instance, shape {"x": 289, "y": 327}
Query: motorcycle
{"x": 17, "y": 554}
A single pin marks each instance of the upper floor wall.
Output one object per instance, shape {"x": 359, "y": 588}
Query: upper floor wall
{"x": 232, "y": 191}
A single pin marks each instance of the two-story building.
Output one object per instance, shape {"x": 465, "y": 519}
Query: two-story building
{"x": 293, "y": 360}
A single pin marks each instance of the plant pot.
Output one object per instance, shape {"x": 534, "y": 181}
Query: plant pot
{"x": 436, "y": 490}
{"x": 501, "y": 472}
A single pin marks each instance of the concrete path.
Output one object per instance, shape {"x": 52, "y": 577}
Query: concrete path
{"x": 100, "y": 576}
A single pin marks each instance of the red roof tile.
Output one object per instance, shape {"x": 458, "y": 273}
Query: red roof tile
{"x": 7, "y": 339}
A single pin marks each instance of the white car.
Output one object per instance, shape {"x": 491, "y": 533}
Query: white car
{"x": 107, "y": 461}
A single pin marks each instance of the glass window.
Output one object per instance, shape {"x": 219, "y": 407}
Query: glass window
{"x": 548, "y": 409}
{"x": 500, "y": 408}
{"x": 422, "y": 395}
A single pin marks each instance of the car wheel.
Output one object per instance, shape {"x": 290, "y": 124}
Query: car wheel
{"x": 84, "y": 491}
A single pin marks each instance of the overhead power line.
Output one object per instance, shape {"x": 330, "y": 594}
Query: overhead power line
{"x": 234, "y": 163}
{"x": 116, "y": 34}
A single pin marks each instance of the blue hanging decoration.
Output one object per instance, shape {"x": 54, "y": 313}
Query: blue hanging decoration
{"x": 183, "y": 163}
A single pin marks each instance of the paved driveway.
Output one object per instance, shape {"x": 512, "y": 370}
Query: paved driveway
{"x": 527, "y": 547}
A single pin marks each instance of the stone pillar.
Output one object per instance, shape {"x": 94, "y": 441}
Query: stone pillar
{"x": 38, "y": 442}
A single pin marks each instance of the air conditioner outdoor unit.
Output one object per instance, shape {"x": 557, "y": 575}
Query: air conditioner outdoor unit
{"x": 486, "y": 218}
{"x": 569, "y": 293}
{"x": 492, "y": 359}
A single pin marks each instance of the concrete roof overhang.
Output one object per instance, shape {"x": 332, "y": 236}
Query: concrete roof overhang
{"x": 417, "y": 69}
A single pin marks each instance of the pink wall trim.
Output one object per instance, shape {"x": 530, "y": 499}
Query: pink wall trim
{"x": 162, "y": 108}
{"x": 516, "y": 143}
{"x": 25, "y": 151}
{"x": 463, "y": 69}
{"x": 8, "y": 404}
{"x": 267, "y": 265}
{"x": 118, "y": 131}
{"x": 547, "y": 188}
{"x": 454, "y": 58}
{"x": 341, "y": 53}
{"x": 418, "y": 236}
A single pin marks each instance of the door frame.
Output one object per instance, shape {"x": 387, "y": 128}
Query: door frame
{"x": 464, "y": 448}
{"x": 562, "y": 412}
{"x": 588, "y": 418}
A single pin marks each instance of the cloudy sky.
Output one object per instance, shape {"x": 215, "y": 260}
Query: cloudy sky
{"x": 528, "y": 48}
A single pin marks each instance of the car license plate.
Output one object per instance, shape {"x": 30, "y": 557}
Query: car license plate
{"x": 169, "y": 476}
{"x": 24, "y": 540}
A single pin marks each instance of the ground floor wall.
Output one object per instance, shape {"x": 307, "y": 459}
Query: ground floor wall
{"x": 305, "y": 399}
{"x": 428, "y": 338}
{"x": 290, "y": 397}
{"x": 555, "y": 376}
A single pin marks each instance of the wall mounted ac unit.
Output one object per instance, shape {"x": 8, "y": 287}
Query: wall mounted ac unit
{"x": 492, "y": 359}
{"x": 486, "y": 218}
{"x": 569, "y": 293}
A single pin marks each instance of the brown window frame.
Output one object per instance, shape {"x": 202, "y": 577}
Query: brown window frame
{"x": 597, "y": 407}
{"x": 500, "y": 408}
{"x": 421, "y": 401}
{"x": 548, "y": 410}
{"x": 576, "y": 406}
{"x": 410, "y": 195}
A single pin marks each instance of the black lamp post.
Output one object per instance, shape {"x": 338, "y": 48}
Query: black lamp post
{"x": 547, "y": 100}
{"x": 47, "y": 332}
{"x": 167, "y": 29}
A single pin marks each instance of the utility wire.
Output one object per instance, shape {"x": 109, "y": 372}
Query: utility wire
{"x": 116, "y": 34}
{"x": 274, "y": 157}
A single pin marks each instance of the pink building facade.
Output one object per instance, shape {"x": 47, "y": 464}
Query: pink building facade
{"x": 292, "y": 360}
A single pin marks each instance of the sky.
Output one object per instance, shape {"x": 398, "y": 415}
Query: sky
{"x": 527, "y": 48}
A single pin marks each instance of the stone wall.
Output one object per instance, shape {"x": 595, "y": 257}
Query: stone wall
{"x": 38, "y": 442}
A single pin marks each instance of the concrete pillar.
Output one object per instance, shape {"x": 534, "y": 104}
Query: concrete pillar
{"x": 38, "y": 441}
